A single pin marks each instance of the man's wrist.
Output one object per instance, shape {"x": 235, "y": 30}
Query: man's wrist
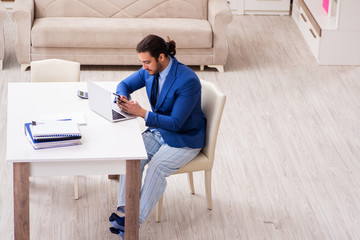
{"x": 142, "y": 113}
{"x": 146, "y": 116}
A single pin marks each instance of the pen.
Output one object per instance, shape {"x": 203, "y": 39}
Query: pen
{"x": 34, "y": 123}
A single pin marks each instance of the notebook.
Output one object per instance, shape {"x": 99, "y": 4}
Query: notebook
{"x": 47, "y": 130}
{"x": 50, "y": 142}
{"x": 101, "y": 101}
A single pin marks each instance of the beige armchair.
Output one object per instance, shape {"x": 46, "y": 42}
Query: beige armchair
{"x": 213, "y": 102}
{"x": 3, "y": 16}
{"x": 102, "y": 32}
{"x": 57, "y": 70}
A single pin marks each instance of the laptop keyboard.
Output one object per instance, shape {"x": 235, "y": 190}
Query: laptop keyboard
{"x": 117, "y": 115}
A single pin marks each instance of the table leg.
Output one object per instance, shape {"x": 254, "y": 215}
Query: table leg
{"x": 21, "y": 201}
{"x": 132, "y": 199}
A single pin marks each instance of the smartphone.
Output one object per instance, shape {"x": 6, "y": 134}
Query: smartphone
{"x": 117, "y": 95}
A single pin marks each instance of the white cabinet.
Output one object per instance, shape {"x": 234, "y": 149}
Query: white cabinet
{"x": 237, "y": 6}
{"x": 260, "y": 7}
{"x": 332, "y": 38}
{"x": 308, "y": 31}
{"x": 279, "y": 7}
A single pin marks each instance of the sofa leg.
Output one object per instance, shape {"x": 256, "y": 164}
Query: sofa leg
{"x": 220, "y": 68}
{"x": 1, "y": 65}
{"x": 113, "y": 176}
{"x": 202, "y": 67}
{"x": 23, "y": 67}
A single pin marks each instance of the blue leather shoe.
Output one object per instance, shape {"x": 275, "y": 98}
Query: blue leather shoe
{"x": 117, "y": 222}
{"x": 117, "y": 232}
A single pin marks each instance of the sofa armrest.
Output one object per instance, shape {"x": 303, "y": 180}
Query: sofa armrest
{"x": 3, "y": 13}
{"x": 23, "y": 15}
{"x": 3, "y": 16}
{"x": 219, "y": 17}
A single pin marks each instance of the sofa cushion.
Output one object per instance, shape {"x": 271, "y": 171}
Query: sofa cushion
{"x": 118, "y": 32}
{"x": 122, "y": 8}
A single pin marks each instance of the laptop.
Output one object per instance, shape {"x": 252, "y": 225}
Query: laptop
{"x": 101, "y": 101}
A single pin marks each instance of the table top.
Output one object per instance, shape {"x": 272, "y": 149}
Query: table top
{"x": 101, "y": 139}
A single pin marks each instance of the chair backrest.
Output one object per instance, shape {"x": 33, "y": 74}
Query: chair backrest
{"x": 212, "y": 105}
{"x": 55, "y": 70}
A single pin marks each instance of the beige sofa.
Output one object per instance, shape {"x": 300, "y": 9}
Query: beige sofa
{"x": 106, "y": 32}
{"x": 3, "y": 16}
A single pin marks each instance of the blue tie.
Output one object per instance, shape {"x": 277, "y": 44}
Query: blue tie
{"x": 154, "y": 89}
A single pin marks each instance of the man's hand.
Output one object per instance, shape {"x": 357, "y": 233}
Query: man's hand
{"x": 131, "y": 107}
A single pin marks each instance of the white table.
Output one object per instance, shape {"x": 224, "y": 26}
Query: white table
{"x": 104, "y": 149}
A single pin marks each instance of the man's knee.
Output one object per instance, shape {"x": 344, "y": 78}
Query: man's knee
{"x": 159, "y": 169}
{"x": 146, "y": 135}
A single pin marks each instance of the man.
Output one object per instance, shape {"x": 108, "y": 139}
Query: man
{"x": 176, "y": 123}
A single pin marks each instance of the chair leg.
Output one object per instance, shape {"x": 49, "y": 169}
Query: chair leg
{"x": 191, "y": 182}
{"x": 159, "y": 209}
{"x": 208, "y": 189}
{"x": 76, "y": 187}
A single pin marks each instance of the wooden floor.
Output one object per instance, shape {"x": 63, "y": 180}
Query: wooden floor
{"x": 287, "y": 160}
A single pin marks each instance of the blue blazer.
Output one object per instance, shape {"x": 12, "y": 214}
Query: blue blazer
{"x": 177, "y": 113}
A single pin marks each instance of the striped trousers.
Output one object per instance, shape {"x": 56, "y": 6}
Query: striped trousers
{"x": 163, "y": 161}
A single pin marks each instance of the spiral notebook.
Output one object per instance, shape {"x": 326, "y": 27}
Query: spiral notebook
{"x": 49, "y": 140}
{"x": 55, "y": 130}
